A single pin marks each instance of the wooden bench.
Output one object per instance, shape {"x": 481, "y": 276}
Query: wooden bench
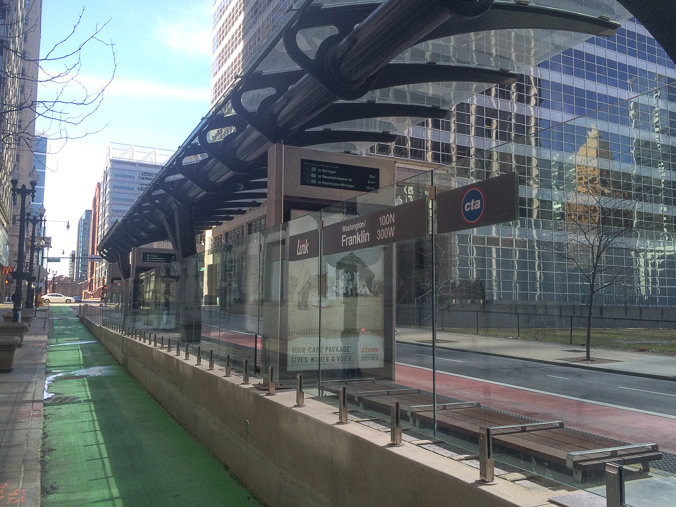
{"x": 576, "y": 451}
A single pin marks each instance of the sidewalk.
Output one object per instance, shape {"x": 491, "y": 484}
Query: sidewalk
{"x": 614, "y": 361}
{"x": 21, "y": 417}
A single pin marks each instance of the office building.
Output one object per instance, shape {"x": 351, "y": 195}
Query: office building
{"x": 129, "y": 169}
{"x": 20, "y": 37}
{"x": 84, "y": 226}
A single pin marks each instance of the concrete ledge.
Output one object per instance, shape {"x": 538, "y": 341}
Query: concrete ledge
{"x": 300, "y": 456}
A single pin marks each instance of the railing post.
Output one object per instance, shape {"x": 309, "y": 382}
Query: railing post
{"x": 342, "y": 405}
{"x": 571, "y": 329}
{"x": 228, "y": 372}
{"x": 300, "y": 395}
{"x": 255, "y": 353}
{"x": 614, "y": 485}
{"x": 395, "y": 424}
{"x": 187, "y": 352}
{"x": 271, "y": 381}
{"x": 155, "y": 340}
{"x": 168, "y": 344}
{"x": 162, "y": 342}
{"x": 477, "y": 322}
{"x": 178, "y": 347}
{"x": 486, "y": 461}
{"x": 245, "y": 374}
{"x": 211, "y": 359}
{"x": 199, "y": 354}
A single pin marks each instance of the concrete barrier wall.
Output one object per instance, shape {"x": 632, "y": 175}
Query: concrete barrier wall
{"x": 301, "y": 456}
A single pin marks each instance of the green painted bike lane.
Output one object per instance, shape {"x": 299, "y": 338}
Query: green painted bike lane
{"x": 108, "y": 442}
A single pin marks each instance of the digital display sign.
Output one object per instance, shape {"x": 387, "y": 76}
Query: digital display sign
{"x": 316, "y": 173}
{"x": 159, "y": 257}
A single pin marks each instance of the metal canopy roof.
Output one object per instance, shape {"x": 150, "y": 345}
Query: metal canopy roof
{"x": 339, "y": 77}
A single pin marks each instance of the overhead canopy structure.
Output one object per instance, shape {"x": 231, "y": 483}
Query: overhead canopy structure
{"x": 341, "y": 77}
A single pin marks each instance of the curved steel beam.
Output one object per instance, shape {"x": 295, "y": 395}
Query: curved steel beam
{"x": 348, "y": 111}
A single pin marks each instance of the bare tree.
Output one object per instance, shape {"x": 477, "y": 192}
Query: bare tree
{"x": 594, "y": 225}
{"x": 64, "y": 99}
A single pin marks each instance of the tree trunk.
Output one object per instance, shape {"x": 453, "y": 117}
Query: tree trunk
{"x": 589, "y": 325}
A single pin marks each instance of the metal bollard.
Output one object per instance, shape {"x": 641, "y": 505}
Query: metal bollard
{"x": 199, "y": 355}
{"x": 486, "y": 461}
{"x": 211, "y": 359}
{"x": 187, "y": 352}
{"x": 228, "y": 372}
{"x": 395, "y": 424}
{"x": 245, "y": 374}
{"x": 168, "y": 344}
{"x": 271, "y": 381}
{"x": 300, "y": 395}
{"x": 614, "y": 485}
{"x": 178, "y": 347}
{"x": 342, "y": 405}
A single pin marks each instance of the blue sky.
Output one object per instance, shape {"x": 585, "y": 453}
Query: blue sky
{"x": 159, "y": 92}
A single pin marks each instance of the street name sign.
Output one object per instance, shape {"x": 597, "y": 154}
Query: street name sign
{"x": 398, "y": 223}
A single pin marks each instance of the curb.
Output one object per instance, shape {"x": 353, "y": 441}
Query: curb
{"x": 632, "y": 373}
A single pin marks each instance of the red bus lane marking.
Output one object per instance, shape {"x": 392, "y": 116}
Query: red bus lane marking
{"x": 612, "y": 422}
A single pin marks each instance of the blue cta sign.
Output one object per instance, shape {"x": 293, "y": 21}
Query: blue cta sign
{"x": 472, "y": 206}
{"x": 488, "y": 202}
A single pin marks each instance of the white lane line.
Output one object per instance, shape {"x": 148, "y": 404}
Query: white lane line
{"x": 562, "y": 378}
{"x": 440, "y": 358}
{"x": 600, "y": 403}
{"x": 644, "y": 391}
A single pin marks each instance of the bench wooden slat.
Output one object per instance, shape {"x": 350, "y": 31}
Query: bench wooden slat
{"x": 551, "y": 445}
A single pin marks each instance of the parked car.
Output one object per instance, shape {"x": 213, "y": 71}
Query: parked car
{"x": 77, "y": 299}
{"x": 55, "y": 297}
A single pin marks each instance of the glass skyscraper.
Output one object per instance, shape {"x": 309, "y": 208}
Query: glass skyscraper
{"x": 610, "y": 100}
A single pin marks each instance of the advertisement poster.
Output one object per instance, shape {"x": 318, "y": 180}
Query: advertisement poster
{"x": 347, "y": 287}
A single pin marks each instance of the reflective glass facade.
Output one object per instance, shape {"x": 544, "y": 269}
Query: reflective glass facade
{"x": 632, "y": 139}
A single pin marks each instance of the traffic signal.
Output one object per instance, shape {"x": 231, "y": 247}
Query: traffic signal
{"x": 72, "y": 257}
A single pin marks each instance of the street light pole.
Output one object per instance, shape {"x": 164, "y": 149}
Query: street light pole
{"x": 41, "y": 259}
{"x": 29, "y": 290}
{"x": 18, "y": 273}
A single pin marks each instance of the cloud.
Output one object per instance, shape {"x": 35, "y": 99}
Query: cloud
{"x": 158, "y": 90}
{"x": 127, "y": 87}
{"x": 187, "y": 29}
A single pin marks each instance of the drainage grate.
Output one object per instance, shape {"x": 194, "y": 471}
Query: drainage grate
{"x": 62, "y": 399}
{"x": 666, "y": 464}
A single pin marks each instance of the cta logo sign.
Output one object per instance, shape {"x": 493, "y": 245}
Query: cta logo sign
{"x": 488, "y": 202}
{"x": 472, "y": 205}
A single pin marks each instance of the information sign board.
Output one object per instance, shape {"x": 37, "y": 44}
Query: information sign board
{"x": 158, "y": 257}
{"x": 317, "y": 173}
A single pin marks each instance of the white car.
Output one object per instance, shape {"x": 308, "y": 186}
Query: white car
{"x": 54, "y": 297}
